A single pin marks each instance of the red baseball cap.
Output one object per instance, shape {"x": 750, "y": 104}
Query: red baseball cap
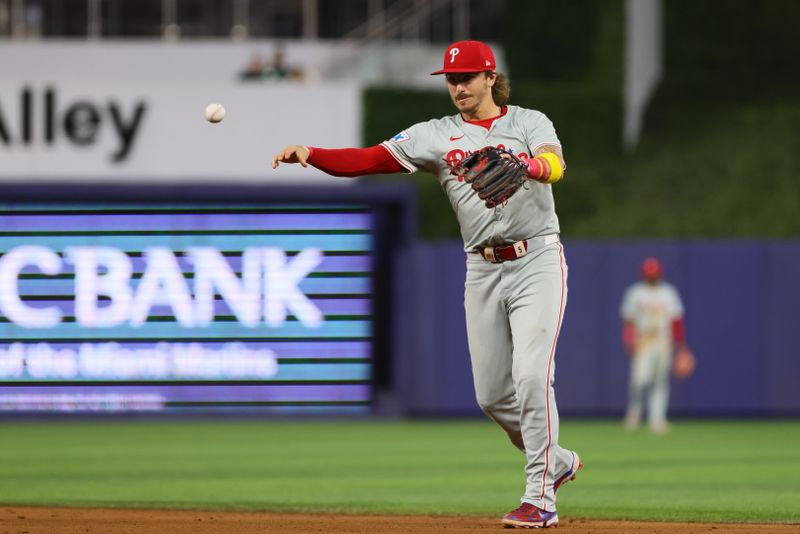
{"x": 651, "y": 268}
{"x": 467, "y": 56}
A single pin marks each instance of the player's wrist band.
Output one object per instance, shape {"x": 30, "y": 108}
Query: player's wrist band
{"x": 537, "y": 168}
{"x": 546, "y": 168}
{"x": 556, "y": 167}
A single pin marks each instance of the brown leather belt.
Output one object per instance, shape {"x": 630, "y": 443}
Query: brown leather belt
{"x": 513, "y": 251}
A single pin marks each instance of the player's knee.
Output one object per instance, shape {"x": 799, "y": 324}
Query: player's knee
{"x": 532, "y": 380}
{"x": 487, "y": 405}
{"x": 493, "y": 404}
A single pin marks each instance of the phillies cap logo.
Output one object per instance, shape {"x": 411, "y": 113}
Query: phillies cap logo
{"x": 467, "y": 56}
{"x": 453, "y": 53}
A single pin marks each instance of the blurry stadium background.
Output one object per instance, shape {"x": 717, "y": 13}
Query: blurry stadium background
{"x": 154, "y": 264}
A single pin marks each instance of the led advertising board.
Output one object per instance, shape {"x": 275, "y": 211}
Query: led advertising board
{"x": 141, "y": 306}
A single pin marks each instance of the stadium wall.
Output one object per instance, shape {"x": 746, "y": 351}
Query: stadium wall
{"x": 740, "y": 298}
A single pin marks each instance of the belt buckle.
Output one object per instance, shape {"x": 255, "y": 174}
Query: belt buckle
{"x": 491, "y": 254}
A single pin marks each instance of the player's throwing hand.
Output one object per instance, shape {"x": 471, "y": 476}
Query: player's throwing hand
{"x": 291, "y": 154}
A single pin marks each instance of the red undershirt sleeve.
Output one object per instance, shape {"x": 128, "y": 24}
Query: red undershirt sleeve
{"x": 354, "y": 161}
{"x": 629, "y": 335}
{"x": 678, "y": 331}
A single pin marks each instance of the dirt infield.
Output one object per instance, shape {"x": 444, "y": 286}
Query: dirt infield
{"x": 25, "y": 520}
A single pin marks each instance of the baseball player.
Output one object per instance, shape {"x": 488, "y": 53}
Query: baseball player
{"x": 652, "y": 315}
{"x": 516, "y": 285}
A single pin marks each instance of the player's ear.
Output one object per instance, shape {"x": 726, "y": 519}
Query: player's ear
{"x": 491, "y": 77}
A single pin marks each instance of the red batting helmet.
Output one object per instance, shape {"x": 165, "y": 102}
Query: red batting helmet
{"x": 467, "y": 56}
{"x": 651, "y": 268}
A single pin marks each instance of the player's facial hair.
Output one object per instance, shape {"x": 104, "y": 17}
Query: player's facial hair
{"x": 478, "y": 92}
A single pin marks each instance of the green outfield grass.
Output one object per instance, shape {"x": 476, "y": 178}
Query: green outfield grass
{"x": 701, "y": 471}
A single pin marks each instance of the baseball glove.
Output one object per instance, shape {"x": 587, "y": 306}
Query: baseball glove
{"x": 684, "y": 363}
{"x": 494, "y": 173}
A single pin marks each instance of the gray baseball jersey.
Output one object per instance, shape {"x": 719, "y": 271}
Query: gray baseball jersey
{"x": 651, "y": 309}
{"x": 513, "y": 309}
{"x": 431, "y": 146}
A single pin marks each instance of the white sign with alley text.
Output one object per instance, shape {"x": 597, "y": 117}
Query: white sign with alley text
{"x": 132, "y": 112}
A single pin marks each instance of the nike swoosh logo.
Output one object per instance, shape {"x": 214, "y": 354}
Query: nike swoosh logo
{"x": 456, "y": 138}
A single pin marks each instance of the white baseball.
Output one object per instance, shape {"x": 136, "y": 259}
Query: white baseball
{"x": 215, "y": 112}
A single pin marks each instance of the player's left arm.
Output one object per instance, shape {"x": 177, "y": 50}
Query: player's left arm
{"x": 678, "y": 331}
{"x": 683, "y": 361}
{"x": 546, "y": 163}
{"x": 678, "y": 326}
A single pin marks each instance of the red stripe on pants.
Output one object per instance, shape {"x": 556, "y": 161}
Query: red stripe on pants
{"x": 549, "y": 367}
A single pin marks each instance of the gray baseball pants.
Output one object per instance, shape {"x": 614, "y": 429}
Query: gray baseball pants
{"x": 514, "y": 311}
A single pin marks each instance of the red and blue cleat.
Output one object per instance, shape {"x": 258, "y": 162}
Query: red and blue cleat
{"x": 530, "y": 516}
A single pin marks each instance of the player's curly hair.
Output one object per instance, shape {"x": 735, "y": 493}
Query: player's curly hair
{"x": 501, "y": 89}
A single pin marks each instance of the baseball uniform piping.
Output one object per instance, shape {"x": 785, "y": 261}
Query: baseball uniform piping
{"x": 408, "y": 166}
{"x": 547, "y": 378}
